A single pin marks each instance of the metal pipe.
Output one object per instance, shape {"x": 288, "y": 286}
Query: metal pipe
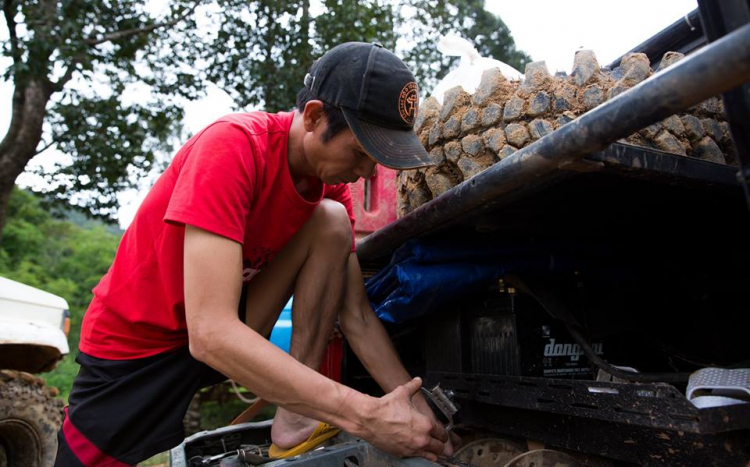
{"x": 720, "y": 18}
{"x": 684, "y": 35}
{"x": 718, "y": 67}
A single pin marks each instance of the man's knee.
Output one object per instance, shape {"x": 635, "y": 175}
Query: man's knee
{"x": 333, "y": 223}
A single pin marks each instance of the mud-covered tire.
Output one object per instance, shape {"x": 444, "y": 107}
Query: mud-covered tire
{"x": 192, "y": 420}
{"x": 30, "y": 417}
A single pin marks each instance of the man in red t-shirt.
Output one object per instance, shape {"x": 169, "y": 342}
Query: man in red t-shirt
{"x": 253, "y": 209}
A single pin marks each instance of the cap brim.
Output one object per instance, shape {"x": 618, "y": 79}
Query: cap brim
{"x": 396, "y": 149}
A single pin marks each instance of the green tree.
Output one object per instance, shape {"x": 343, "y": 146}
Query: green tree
{"x": 361, "y": 21}
{"x": 263, "y": 49}
{"x": 258, "y": 46}
{"x": 59, "y": 257}
{"x": 94, "y": 45}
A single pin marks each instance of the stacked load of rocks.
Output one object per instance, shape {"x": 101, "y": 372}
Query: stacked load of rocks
{"x": 468, "y": 133}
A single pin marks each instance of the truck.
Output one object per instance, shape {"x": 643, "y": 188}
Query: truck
{"x": 33, "y": 337}
{"x": 583, "y": 300}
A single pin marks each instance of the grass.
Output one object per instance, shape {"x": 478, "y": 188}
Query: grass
{"x": 159, "y": 460}
{"x": 63, "y": 375}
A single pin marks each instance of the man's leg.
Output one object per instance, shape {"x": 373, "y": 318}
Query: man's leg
{"x": 313, "y": 266}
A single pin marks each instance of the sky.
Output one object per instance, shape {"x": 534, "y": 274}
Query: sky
{"x": 552, "y": 30}
{"x": 549, "y": 30}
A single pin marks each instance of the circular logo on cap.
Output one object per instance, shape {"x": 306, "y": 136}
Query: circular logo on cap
{"x": 408, "y": 102}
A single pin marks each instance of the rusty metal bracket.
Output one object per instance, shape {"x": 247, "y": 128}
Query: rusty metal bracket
{"x": 441, "y": 400}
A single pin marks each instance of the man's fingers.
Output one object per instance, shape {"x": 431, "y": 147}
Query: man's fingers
{"x": 439, "y": 432}
{"x": 412, "y": 387}
{"x": 448, "y": 450}
{"x": 455, "y": 440}
{"x": 436, "y": 446}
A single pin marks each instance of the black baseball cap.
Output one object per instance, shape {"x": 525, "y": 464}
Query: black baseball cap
{"x": 379, "y": 98}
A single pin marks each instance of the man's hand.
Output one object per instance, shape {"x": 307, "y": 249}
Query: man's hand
{"x": 398, "y": 428}
{"x": 421, "y": 404}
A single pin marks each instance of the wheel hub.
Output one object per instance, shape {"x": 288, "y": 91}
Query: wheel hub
{"x": 490, "y": 452}
{"x": 544, "y": 458}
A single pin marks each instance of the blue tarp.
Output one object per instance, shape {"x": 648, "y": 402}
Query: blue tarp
{"x": 423, "y": 274}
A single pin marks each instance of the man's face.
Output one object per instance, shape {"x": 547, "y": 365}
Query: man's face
{"x": 338, "y": 160}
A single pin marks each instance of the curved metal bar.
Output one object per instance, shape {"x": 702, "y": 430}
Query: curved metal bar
{"x": 684, "y": 35}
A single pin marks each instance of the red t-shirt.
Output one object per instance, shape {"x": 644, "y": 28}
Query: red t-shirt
{"x": 231, "y": 179}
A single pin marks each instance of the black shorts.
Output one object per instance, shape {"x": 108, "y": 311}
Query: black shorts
{"x": 122, "y": 412}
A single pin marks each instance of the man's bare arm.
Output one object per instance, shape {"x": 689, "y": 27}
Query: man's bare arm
{"x": 213, "y": 280}
{"x": 366, "y": 335}
{"x": 370, "y": 341}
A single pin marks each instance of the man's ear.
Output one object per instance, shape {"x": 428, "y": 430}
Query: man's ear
{"x": 313, "y": 115}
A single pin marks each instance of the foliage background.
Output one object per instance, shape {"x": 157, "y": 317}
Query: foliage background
{"x": 66, "y": 257}
{"x": 66, "y": 254}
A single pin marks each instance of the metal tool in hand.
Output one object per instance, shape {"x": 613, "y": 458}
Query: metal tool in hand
{"x": 441, "y": 400}
{"x": 247, "y": 455}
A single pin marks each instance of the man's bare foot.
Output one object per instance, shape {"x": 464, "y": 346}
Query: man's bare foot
{"x": 289, "y": 429}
